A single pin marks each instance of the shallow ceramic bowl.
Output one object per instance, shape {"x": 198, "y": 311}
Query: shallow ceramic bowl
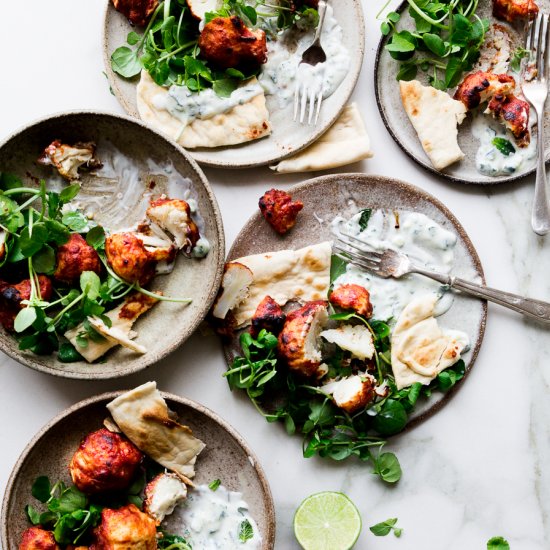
{"x": 397, "y": 122}
{"x": 167, "y": 325}
{"x": 325, "y": 198}
{"x": 287, "y": 137}
{"x": 226, "y": 457}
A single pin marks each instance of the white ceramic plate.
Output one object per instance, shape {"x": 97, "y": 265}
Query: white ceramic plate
{"x": 287, "y": 137}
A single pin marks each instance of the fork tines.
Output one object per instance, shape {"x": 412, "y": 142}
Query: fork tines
{"x": 353, "y": 250}
{"x": 536, "y": 43}
{"x": 301, "y": 101}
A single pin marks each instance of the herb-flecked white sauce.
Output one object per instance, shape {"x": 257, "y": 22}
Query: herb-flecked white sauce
{"x": 211, "y": 520}
{"x": 489, "y": 160}
{"x": 425, "y": 242}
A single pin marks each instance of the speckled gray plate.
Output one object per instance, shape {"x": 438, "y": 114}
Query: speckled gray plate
{"x": 344, "y": 194}
{"x": 402, "y": 131}
{"x": 287, "y": 137}
{"x": 167, "y": 325}
{"x": 226, "y": 457}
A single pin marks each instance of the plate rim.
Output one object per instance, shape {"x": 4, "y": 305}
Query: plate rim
{"x": 268, "y": 541}
{"x": 425, "y": 195}
{"x": 113, "y": 83}
{"x": 420, "y": 161}
{"x": 29, "y": 360}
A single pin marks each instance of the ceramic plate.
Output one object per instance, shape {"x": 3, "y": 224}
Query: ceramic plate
{"x": 348, "y": 194}
{"x": 167, "y": 325}
{"x": 287, "y": 137}
{"x": 226, "y": 457}
{"x": 400, "y": 128}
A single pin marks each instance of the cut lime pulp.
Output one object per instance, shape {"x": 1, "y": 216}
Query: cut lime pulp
{"x": 327, "y": 521}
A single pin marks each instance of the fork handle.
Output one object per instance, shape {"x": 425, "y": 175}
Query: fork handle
{"x": 540, "y": 217}
{"x": 535, "y": 309}
{"x": 322, "y": 11}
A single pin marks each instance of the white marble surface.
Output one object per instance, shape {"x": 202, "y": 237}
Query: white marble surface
{"x": 479, "y": 468}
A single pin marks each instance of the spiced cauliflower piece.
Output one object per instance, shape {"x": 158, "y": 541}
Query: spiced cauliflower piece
{"x": 352, "y": 297}
{"x": 73, "y": 258}
{"x": 236, "y": 281}
{"x": 352, "y": 393}
{"x": 279, "y": 210}
{"x": 480, "y": 86}
{"x": 298, "y": 343}
{"x": 357, "y": 339}
{"x": 126, "y": 528}
{"x": 69, "y": 158}
{"x": 227, "y": 43}
{"x": 199, "y": 8}
{"x": 129, "y": 259}
{"x": 174, "y": 216}
{"x": 36, "y": 538}
{"x": 103, "y": 462}
{"x": 162, "y": 495}
{"x": 513, "y": 113}
{"x": 138, "y": 12}
{"x": 514, "y": 10}
{"x": 269, "y": 316}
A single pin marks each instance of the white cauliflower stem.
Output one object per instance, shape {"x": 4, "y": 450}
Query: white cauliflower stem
{"x": 355, "y": 339}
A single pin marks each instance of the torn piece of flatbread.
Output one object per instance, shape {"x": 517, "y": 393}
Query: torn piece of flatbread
{"x": 143, "y": 417}
{"x": 122, "y": 317}
{"x": 345, "y": 142}
{"x": 435, "y": 116}
{"x": 420, "y": 349}
{"x": 285, "y": 275}
{"x": 242, "y": 123}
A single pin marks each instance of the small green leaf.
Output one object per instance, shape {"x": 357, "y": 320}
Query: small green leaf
{"x": 41, "y": 489}
{"x": 383, "y": 528}
{"x": 504, "y": 146}
{"x": 57, "y": 232}
{"x": 44, "y": 260}
{"x": 246, "y": 532}
{"x": 388, "y": 468}
{"x": 434, "y": 43}
{"x": 337, "y": 267}
{"x": 125, "y": 62}
{"x": 90, "y": 284}
{"x": 67, "y": 353}
{"x": 400, "y": 44}
{"x": 213, "y": 485}
{"x": 364, "y": 218}
{"x": 225, "y": 86}
{"x": 96, "y": 237}
{"x": 407, "y": 72}
{"x": 32, "y": 514}
{"x": 498, "y": 543}
{"x": 69, "y": 193}
{"x": 76, "y": 221}
{"x": 133, "y": 38}
{"x": 25, "y": 318}
{"x": 32, "y": 243}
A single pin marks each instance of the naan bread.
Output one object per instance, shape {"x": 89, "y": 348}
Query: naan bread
{"x": 302, "y": 275}
{"x": 143, "y": 417}
{"x": 420, "y": 350}
{"x": 345, "y": 142}
{"x": 435, "y": 117}
{"x": 243, "y": 123}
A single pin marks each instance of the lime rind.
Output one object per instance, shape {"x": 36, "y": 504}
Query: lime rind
{"x": 327, "y": 521}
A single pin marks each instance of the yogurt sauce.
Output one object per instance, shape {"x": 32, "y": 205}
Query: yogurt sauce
{"x": 213, "y": 519}
{"x": 421, "y": 238}
{"x": 279, "y": 74}
{"x": 489, "y": 160}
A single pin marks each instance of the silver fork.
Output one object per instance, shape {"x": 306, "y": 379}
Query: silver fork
{"x": 534, "y": 85}
{"x": 390, "y": 263}
{"x": 312, "y": 56}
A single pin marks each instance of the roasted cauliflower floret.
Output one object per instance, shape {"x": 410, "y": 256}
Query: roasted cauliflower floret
{"x": 11, "y": 297}
{"x": 237, "y": 278}
{"x": 479, "y": 87}
{"x": 352, "y": 297}
{"x": 357, "y": 339}
{"x": 125, "y": 529}
{"x": 268, "y": 316}
{"x": 69, "y": 158}
{"x": 162, "y": 495}
{"x": 514, "y": 114}
{"x": 138, "y": 12}
{"x": 174, "y": 216}
{"x": 279, "y": 210}
{"x": 36, "y": 538}
{"x": 352, "y": 393}
{"x": 104, "y": 461}
{"x": 228, "y": 43}
{"x": 512, "y": 10}
{"x": 73, "y": 258}
{"x": 299, "y": 340}
{"x": 129, "y": 258}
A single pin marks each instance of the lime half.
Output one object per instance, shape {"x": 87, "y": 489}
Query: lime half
{"x": 327, "y": 521}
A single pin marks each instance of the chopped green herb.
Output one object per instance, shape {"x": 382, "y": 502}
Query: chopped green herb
{"x": 213, "y": 485}
{"x": 498, "y": 543}
{"x": 504, "y": 146}
{"x": 385, "y": 527}
{"x": 246, "y": 532}
{"x": 519, "y": 55}
{"x": 364, "y": 218}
